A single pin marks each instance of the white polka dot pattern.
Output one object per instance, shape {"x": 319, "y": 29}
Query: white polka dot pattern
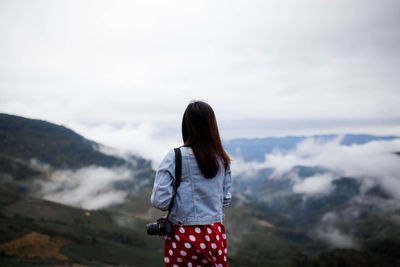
{"x": 199, "y": 245}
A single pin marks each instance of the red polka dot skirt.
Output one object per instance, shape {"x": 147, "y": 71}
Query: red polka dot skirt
{"x": 196, "y": 245}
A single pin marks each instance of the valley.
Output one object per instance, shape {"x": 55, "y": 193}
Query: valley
{"x": 59, "y": 190}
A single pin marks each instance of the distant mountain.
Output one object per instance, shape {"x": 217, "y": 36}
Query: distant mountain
{"x": 34, "y": 149}
{"x": 50, "y": 143}
{"x": 254, "y": 149}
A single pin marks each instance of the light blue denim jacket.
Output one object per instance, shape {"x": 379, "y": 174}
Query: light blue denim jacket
{"x": 199, "y": 200}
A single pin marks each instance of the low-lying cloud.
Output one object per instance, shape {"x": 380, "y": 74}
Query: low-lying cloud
{"x": 374, "y": 161}
{"x": 89, "y": 187}
{"x": 336, "y": 238}
{"x": 328, "y": 231}
{"x": 146, "y": 139}
{"x": 317, "y": 184}
{"x": 373, "y": 165}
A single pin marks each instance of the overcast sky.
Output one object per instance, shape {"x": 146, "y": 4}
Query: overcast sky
{"x": 273, "y": 66}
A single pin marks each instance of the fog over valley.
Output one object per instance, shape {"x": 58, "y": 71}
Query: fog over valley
{"x": 357, "y": 170}
{"x": 304, "y": 192}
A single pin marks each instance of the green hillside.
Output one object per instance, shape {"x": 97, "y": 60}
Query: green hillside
{"x": 93, "y": 237}
{"x": 53, "y": 144}
{"x": 117, "y": 237}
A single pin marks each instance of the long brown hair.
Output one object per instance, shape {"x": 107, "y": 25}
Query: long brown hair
{"x": 200, "y": 132}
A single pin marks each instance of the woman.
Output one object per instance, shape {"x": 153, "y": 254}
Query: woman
{"x": 199, "y": 237}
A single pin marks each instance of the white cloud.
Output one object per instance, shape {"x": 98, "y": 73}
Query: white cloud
{"x": 327, "y": 230}
{"x": 336, "y": 238}
{"x": 146, "y": 139}
{"x": 88, "y": 187}
{"x": 317, "y": 184}
{"x": 373, "y": 163}
{"x": 245, "y": 170}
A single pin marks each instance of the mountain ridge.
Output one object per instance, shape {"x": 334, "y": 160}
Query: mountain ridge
{"x": 255, "y": 149}
{"x": 53, "y": 144}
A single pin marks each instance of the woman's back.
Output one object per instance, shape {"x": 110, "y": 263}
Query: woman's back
{"x": 198, "y": 200}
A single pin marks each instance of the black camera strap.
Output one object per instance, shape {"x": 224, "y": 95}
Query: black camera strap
{"x": 178, "y": 175}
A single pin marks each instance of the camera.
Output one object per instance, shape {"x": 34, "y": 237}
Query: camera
{"x": 161, "y": 227}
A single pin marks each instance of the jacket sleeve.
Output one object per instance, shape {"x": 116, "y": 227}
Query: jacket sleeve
{"x": 163, "y": 183}
{"x": 227, "y": 186}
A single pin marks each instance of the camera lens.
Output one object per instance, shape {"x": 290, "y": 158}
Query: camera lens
{"x": 153, "y": 228}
